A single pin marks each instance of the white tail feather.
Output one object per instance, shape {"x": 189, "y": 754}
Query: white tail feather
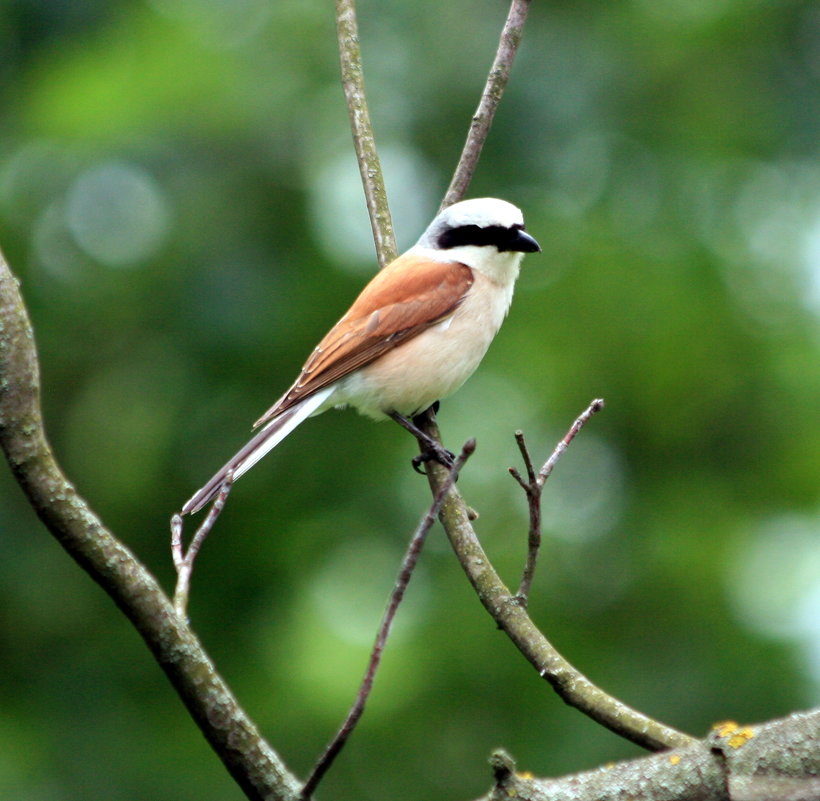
{"x": 264, "y": 441}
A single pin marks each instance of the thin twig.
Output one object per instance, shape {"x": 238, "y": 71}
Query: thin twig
{"x": 570, "y": 684}
{"x": 533, "y": 488}
{"x": 184, "y": 560}
{"x": 408, "y": 566}
{"x": 490, "y": 98}
{"x": 367, "y": 156}
{"x": 580, "y": 422}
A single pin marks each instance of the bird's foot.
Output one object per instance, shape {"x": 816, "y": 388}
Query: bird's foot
{"x": 433, "y": 452}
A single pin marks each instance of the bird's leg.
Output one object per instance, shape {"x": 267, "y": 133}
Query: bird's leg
{"x": 438, "y": 451}
{"x": 432, "y": 449}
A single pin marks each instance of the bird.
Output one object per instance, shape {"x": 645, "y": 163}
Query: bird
{"x": 413, "y": 336}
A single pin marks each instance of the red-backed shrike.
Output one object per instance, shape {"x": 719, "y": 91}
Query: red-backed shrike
{"x": 413, "y": 336}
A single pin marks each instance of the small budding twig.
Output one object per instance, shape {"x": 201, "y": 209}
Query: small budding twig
{"x": 534, "y": 486}
{"x": 184, "y": 560}
{"x": 409, "y": 562}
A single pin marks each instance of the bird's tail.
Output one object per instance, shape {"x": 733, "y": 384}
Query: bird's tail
{"x": 265, "y": 440}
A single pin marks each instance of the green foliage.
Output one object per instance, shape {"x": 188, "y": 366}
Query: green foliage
{"x": 171, "y": 174}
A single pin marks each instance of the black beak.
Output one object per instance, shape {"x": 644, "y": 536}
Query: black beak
{"x": 524, "y": 243}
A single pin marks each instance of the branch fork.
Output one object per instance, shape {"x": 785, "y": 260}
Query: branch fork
{"x": 184, "y": 559}
{"x": 534, "y": 486}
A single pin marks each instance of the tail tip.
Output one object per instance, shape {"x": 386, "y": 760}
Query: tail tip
{"x": 193, "y": 505}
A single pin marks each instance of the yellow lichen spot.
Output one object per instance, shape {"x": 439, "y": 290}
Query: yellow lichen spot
{"x": 734, "y": 734}
{"x": 674, "y": 759}
{"x": 741, "y": 737}
{"x": 609, "y": 766}
{"x": 525, "y": 775}
{"x": 725, "y": 728}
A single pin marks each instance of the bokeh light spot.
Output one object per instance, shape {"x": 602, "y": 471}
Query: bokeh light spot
{"x": 117, "y": 214}
{"x": 774, "y": 584}
{"x": 339, "y": 206}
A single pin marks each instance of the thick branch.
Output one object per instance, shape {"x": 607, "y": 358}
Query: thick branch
{"x": 367, "y": 157}
{"x": 574, "y": 688}
{"x": 490, "y": 98}
{"x": 775, "y": 761}
{"x": 253, "y": 764}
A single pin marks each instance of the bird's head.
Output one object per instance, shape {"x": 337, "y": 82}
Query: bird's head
{"x": 485, "y": 233}
{"x": 480, "y": 222}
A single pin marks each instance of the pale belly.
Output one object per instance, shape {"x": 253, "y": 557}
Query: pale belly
{"x": 430, "y": 366}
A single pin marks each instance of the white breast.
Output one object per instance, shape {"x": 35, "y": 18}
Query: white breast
{"x": 433, "y": 364}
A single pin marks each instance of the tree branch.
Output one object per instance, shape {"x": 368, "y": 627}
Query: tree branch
{"x": 490, "y": 98}
{"x": 572, "y": 686}
{"x": 774, "y": 761}
{"x": 250, "y": 760}
{"x": 367, "y": 157}
{"x": 510, "y": 616}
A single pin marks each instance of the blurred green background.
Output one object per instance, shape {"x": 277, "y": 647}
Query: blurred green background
{"x": 179, "y": 196}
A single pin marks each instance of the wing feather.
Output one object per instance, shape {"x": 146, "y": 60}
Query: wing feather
{"x": 408, "y": 296}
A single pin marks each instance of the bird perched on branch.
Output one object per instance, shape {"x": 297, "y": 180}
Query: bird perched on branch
{"x": 414, "y": 335}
